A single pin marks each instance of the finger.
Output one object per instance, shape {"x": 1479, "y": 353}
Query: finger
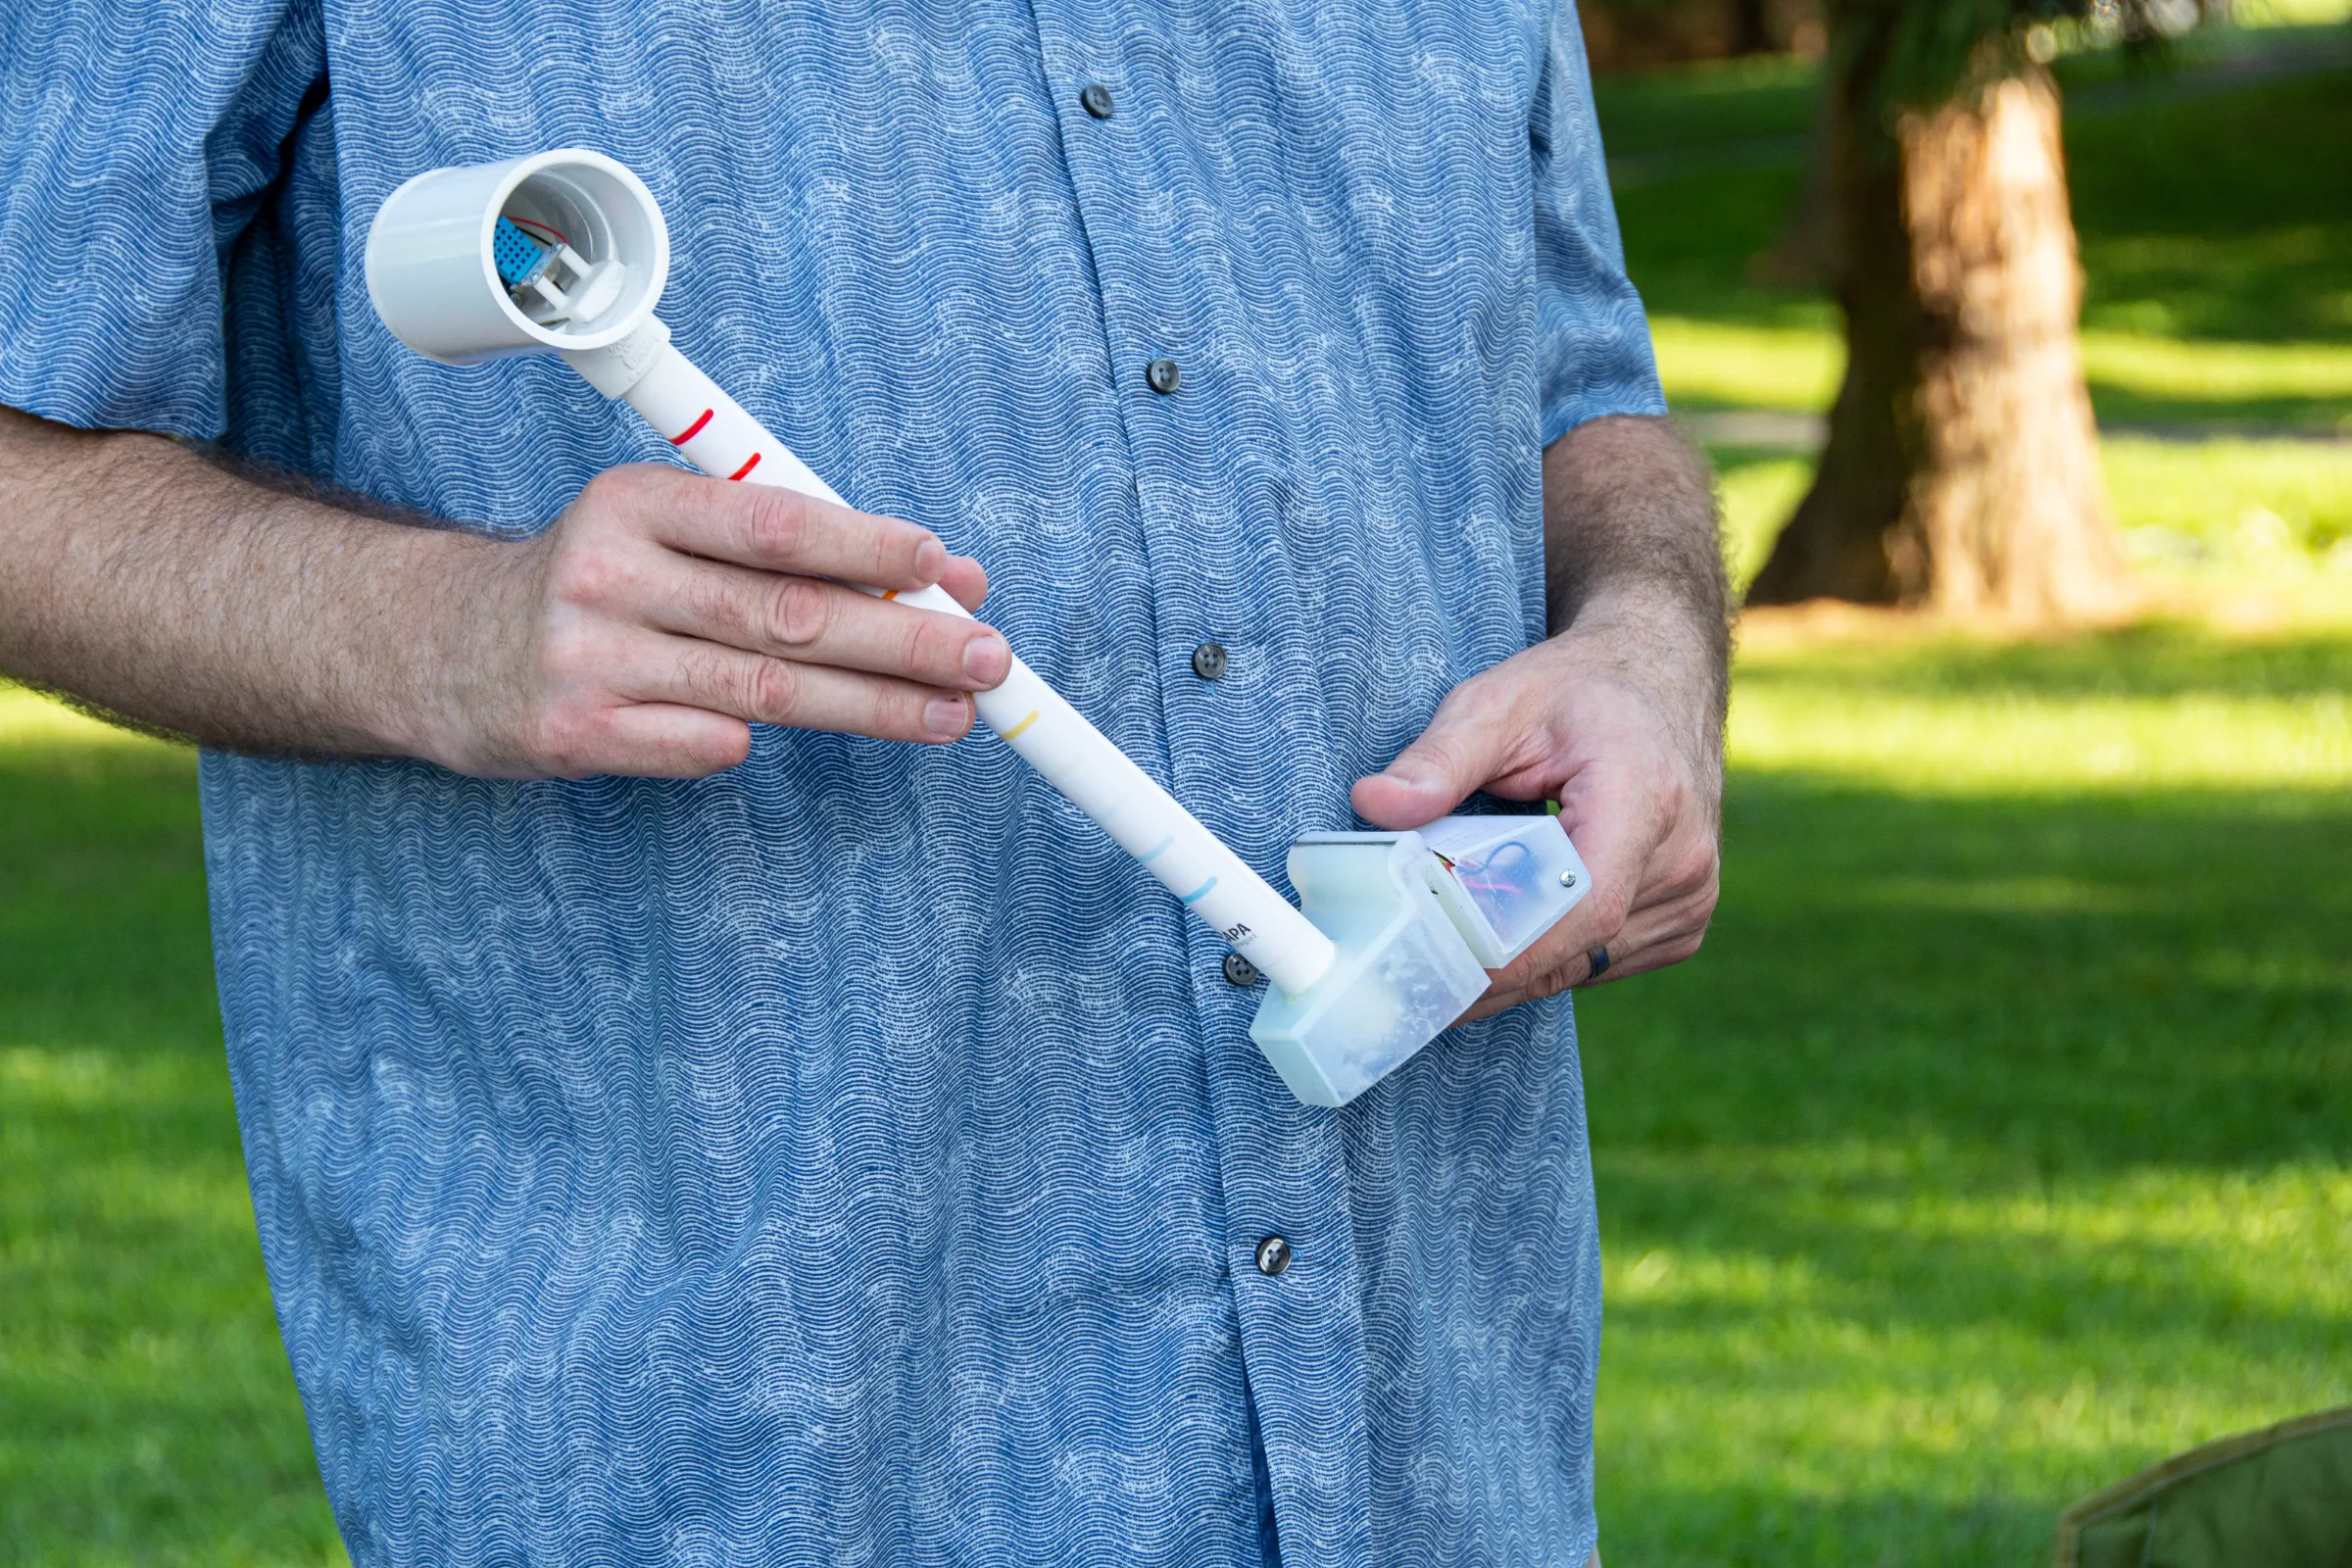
{"x": 1653, "y": 939}
{"x": 778, "y": 691}
{"x": 1644, "y": 944}
{"x": 966, "y": 580}
{"x": 779, "y": 530}
{"x": 1466, "y": 744}
{"x": 814, "y": 621}
{"x": 656, "y": 740}
{"x": 1616, "y": 833}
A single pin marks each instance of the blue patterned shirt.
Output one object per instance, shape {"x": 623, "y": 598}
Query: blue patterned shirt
{"x": 854, "y": 1158}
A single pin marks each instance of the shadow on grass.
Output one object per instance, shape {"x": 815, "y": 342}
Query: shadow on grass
{"x": 103, "y": 929}
{"x": 1730, "y": 1526}
{"x": 2089, "y": 983}
{"x": 2224, "y": 214}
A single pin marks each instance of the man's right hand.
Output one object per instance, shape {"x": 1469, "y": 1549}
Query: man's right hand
{"x": 664, "y": 613}
{"x": 642, "y": 632}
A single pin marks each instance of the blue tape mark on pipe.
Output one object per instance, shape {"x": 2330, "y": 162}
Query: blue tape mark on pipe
{"x": 1200, "y": 891}
{"x": 1153, "y": 853}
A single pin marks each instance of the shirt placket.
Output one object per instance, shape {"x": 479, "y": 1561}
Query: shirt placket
{"x": 1289, "y": 1239}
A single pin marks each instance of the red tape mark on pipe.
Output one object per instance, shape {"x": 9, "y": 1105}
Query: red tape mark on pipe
{"x": 688, "y": 433}
{"x": 750, "y": 462}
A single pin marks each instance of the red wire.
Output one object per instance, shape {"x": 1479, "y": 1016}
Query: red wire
{"x": 561, "y": 238}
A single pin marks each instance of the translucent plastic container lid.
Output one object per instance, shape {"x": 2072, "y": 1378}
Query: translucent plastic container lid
{"x": 1519, "y": 873}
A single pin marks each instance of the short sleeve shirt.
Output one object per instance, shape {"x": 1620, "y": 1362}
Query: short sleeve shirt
{"x": 854, "y": 1158}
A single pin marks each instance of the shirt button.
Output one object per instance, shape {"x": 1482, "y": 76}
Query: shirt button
{"x": 1273, "y": 1257}
{"x": 1096, "y": 100}
{"x": 1163, "y": 375}
{"x": 1240, "y": 971}
{"x": 1209, "y": 662}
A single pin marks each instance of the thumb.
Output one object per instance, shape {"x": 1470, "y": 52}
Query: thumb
{"x": 1463, "y": 748}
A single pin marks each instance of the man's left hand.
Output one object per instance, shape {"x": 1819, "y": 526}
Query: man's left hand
{"x": 1614, "y": 722}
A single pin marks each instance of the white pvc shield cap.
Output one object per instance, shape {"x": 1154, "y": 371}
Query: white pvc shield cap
{"x": 433, "y": 278}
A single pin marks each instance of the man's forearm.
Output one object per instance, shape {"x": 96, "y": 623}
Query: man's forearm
{"x": 644, "y": 631}
{"x": 137, "y": 577}
{"x": 1632, "y": 553}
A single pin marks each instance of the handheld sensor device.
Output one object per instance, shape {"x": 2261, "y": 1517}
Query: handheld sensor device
{"x": 566, "y": 253}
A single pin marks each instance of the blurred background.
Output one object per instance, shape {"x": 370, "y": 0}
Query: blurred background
{"x": 1996, "y": 1143}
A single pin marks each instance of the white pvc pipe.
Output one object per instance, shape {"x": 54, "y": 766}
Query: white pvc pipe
{"x": 711, "y": 430}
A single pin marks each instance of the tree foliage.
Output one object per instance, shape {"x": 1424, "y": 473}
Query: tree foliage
{"x": 1918, "y": 53}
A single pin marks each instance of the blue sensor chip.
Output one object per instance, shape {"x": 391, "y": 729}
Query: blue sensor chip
{"x": 518, "y": 257}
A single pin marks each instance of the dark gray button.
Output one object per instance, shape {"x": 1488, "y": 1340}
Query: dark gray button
{"x": 1209, "y": 662}
{"x": 1163, "y": 375}
{"x": 1240, "y": 971}
{"x": 1096, "y": 100}
{"x": 1273, "y": 1257}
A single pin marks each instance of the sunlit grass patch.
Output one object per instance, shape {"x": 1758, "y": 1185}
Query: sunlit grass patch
{"x": 1758, "y": 492}
{"x": 2141, "y": 377}
{"x": 2160, "y": 706}
{"x": 2206, "y": 515}
{"x": 2153, "y": 379}
{"x": 33, "y": 718}
{"x": 1994, "y": 739}
{"x": 2289, "y": 13}
{"x": 2255, "y": 503}
{"x": 1716, "y": 364}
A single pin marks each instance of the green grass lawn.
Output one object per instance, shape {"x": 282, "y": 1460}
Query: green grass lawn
{"x": 147, "y": 1414}
{"x": 1995, "y": 1145}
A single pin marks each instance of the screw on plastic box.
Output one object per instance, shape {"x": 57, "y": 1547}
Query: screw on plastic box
{"x": 567, "y": 252}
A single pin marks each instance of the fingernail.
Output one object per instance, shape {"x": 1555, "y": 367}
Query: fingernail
{"x": 944, "y": 716}
{"x": 987, "y": 659}
{"x": 930, "y": 559}
{"x": 1409, "y": 774}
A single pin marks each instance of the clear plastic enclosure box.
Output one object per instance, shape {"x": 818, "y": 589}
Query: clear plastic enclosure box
{"x": 1417, "y": 919}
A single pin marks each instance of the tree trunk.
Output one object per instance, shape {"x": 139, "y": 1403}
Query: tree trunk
{"x": 1752, "y": 27}
{"x": 1962, "y": 468}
